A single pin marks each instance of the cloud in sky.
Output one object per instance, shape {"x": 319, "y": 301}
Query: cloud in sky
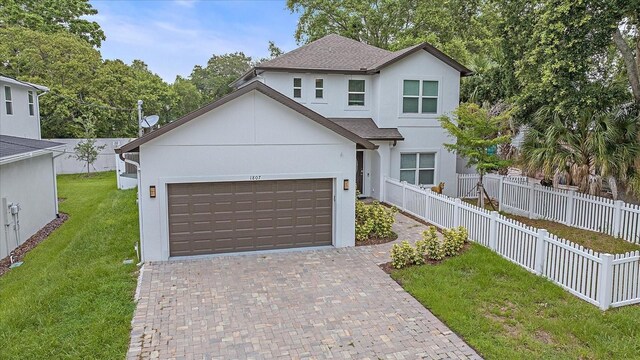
{"x": 173, "y": 36}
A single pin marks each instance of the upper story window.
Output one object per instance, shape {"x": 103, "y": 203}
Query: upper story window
{"x": 8, "y": 103}
{"x": 418, "y": 169}
{"x": 32, "y": 109}
{"x": 356, "y": 92}
{"x": 319, "y": 88}
{"x": 297, "y": 88}
{"x": 420, "y": 97}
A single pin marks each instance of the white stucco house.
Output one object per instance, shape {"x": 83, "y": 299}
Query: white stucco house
{"x": 28, "y": 196}
{"x": 277, "y": 163}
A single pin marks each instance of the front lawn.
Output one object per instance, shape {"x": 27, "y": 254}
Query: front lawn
{"x": 590, "y": 239}
{"x": 505, "y": 312}
{"x": 73, "y": 296}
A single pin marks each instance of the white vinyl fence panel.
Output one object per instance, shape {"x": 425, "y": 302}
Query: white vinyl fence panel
{"x": 515, "y": 195}
{"x": 600, "y": 279}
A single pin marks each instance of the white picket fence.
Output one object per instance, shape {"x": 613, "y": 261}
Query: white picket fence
{"x": 517, "y": 196}
{"x": 601, "y": 279}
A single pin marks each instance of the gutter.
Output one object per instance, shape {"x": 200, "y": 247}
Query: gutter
{"x": 28, "y": 155}
{"x": 139, "y": 250}
{"x": 38, "y": 112}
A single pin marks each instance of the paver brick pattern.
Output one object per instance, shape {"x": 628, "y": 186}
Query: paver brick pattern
{"x": 317, "y": 304}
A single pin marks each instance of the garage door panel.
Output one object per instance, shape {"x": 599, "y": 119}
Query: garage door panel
{"x": 207, "y": 218}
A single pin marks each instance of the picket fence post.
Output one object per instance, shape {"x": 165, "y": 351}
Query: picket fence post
{"x": 456, "y": 212}
{"x": 493, "y": 231}
{"x": 617, "y": 218}
{"x": 500, "y": 193}
{"x": 404, "y": 195}
{"x": 427, "y": 209}
{"x": 568, "y": 220}
{"x": 606, "y": 281}
{"x": 541, "y": 251}
{"x": 532, "y": 198}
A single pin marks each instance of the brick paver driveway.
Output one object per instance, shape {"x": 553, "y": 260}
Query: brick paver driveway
{"x": 331, "y": 303}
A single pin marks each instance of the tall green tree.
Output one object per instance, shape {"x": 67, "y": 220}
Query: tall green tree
{"x": 53, "y": 16}
{"x": 186, "y": 98}
{"x": 213, "y": 79}
{"x": 477, "y": 132}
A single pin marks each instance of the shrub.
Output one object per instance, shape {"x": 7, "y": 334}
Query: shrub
{"x": 454, "y": 240}
{"x": 403, "y": 255}
{"x": 430, "y": 246}
{"x": 374, "y": 219}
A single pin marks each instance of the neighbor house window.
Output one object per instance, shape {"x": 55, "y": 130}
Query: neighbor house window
{"x": 32, "y": 109}
{"x": 420, "y": 97}
{"x": 319, "y": 88}
{"x": 418, "y": 169}
{"x": 8, "y": 104}
{"x": 356, "y": 92}
{"x": 297, "y": 88}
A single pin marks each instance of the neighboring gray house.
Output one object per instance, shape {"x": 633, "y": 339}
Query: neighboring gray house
{"x": 28, "y": 196}
{"x": 276, "y": 164}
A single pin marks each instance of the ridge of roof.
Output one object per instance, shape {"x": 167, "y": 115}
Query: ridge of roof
{"x": 11, "y": 80}
{"x": 262, "y": 88}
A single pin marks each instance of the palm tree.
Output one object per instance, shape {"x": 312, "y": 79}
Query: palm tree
{"x": 584, "y": 150}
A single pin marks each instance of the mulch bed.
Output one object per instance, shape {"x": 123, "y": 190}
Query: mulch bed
{"x": 377, "y": 240}
{"x": 388, "y": 266}
{"x": 32, "y": 242}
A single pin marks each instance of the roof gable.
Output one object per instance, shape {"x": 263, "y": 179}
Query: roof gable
{"x": 134, "y": 145}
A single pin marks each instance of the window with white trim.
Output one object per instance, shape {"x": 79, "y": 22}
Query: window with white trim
{"x": 319, "y": 88}
{"x": 297, "y": 88}
{"x": 32, "y": 108}
{"x": 418, "y": 168}
{"x": 420, "y": 97}
{"x": 356, "y": 93}
{"x": 8, "y": 102}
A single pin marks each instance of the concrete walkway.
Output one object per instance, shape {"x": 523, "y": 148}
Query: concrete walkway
{"x": 318, "y": 304}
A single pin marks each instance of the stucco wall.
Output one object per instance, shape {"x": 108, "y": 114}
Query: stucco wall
{"x": 250, "y": 136}
{"x": 30, "y": 183}
{"x": 19, "y": 124}
{"x": 68, "y": 164}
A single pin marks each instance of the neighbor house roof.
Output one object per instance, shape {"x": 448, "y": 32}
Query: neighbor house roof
{"x": 13, "y": 146}
{"x": 367, "y": 128}
{"x": 22, "y": 83}
{"x": 134, "y": 145}
{"x": 338, "y": 54}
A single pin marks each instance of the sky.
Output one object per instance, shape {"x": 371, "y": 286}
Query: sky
{"x": 171, "y": 36}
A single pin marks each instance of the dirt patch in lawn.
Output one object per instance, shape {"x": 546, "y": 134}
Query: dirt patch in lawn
{"x": 20, "y": 252}
{"x": 377, "y": 240}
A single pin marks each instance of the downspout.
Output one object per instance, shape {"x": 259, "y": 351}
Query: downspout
{"x": 139, "y": 250}
{"x": 55, "y": 181}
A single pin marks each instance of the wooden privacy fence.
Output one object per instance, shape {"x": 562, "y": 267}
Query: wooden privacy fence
{"x": 615, "y": 218}
{"x": 601, "y": 279}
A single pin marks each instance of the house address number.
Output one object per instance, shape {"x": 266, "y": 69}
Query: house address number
{"x": 255, "y": 177}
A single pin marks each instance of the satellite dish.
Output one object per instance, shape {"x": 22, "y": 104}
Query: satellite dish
{"x": 149, "y": 121}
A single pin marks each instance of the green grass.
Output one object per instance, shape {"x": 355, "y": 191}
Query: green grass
{"x": 590, "y": 239}
{"x": 505, "y": 312}
{"x": 73, "y": 297}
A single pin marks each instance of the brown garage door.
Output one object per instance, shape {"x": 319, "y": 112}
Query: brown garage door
{"x": 219, "y": 217}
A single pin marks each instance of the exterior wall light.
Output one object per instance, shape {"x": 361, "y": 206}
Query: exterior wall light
{"x": 345, "y": 184}
{"x": 152, "y": 191}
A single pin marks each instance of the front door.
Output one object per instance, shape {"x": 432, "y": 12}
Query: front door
{"x": 359, "y": 171}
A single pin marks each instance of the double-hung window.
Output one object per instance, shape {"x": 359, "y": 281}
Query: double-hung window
{"x": 419, "y": 97}
{"x": 418, "y": 169}
{"x": 8, "y": 103}
{"x": 319, "y": 88}
{"x": 32, "y": 109}
{"x": 356, "y": 93}
{"x": 297, "y": 88}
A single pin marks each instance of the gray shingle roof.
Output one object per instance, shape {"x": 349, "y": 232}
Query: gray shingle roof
{"x": 13, "y": 145}
{"x": 340, "y": 54}
{"x": 367, "y": 128}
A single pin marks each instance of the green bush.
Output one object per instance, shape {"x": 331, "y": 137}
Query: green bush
{"x": 403, "y": 255}
{"x": 454, "y": 240}
{"x": 430, "y": 246}
{"x": 374, "y": 219}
